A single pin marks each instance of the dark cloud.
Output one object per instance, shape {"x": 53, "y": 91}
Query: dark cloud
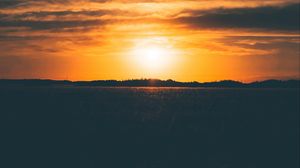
{"x": 48, "y": 25}
{"x": 283, "y": 51}
{"x": 262, "y": 42}
{"x": 60, "y": 20}
{"x": 7, "y": 38}
{"x": 10, "y": 3}
{"x": 14, "y": 3}
{"x": 42, "y": 15}
{"x": 285, "y": 46}
{"x": 65, "y": 13}
{"x": 275, "y": 18}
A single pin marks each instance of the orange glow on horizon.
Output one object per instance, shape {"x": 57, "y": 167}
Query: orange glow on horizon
{"x": 95, "y": 40}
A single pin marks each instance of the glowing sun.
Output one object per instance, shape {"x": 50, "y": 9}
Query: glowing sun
{"x": 153, "y": 55}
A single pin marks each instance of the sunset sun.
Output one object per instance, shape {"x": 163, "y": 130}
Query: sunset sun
{"x": 152, "y": 58}
{"x": 154, "y": 55}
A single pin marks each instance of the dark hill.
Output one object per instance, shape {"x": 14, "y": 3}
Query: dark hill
{"x": 153, "y": 83}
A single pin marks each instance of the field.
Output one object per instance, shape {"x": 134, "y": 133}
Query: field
{"x": 149, "y": 127}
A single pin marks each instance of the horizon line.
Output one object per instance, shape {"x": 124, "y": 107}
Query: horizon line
{"x": 149, "y": 79}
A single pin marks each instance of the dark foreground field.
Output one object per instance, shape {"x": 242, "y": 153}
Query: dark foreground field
{"x": 149, "y": 127}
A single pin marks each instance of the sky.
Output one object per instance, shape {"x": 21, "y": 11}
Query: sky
{"x": 189, "y": 40}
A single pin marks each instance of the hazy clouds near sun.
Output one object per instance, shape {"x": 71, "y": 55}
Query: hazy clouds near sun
{"x": 93, "y": 39}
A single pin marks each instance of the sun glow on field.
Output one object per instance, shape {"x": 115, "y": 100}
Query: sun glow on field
{"x": 154, "y": 55}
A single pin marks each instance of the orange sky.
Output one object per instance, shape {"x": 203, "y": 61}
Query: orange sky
{"x": 166, "y": 39}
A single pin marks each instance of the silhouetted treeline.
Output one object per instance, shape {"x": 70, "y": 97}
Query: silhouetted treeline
{"x": 153, "y": 83}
